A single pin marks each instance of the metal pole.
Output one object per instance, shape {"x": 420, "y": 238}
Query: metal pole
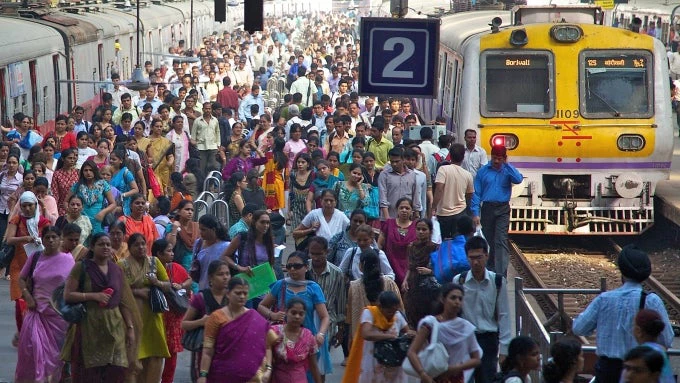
{"x": 138, "y": 25}
{"x": 191, "y": 26}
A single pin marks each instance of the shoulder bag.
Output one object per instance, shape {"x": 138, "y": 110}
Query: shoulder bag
{"x": 392, "y": 352}
{"x": 6, "y": 255}
{"x": 192, "y": 340}
{"x": 178, "y": 300}
{"x": 195, "y": 269}
{"x": 434, "y": 358}
{"x": 72, "y": 313}
{"x": 156, "y": 297}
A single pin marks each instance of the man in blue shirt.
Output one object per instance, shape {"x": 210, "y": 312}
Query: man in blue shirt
{"x": 493, "y": 186}
{"x": 612, "y": 313}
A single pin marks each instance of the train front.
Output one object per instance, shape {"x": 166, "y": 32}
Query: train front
{"x": 585, "y": 113}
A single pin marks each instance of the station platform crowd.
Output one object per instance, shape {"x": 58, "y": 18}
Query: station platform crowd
{"x": 105, "y": 207}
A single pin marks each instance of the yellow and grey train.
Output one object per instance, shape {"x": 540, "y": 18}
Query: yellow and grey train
{"x": 583, "y": 109}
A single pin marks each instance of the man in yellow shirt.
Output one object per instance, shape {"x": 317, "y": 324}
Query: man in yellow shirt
{"x": 377, "y": 144}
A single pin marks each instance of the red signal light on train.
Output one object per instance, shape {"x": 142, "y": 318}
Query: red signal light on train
{"x": 499, "y": 141}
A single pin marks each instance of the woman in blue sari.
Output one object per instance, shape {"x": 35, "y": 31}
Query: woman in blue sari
{"x": 122, "y": 178}
{"x": 273, "y": 306}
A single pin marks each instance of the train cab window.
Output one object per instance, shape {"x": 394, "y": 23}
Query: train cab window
{"x": 616, "y": 84}
{"x": 517, "y": 84}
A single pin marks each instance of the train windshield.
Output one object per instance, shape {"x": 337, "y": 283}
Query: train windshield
{"x": 616, "y": 84}
{"x": 517, "y": 84}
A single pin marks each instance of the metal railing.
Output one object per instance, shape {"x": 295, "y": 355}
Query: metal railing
{"x": 529, "y": 323}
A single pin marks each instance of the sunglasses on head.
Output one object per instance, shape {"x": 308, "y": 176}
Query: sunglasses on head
{"x": 295, "y": 266}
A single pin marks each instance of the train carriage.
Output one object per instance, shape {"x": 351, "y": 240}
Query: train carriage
{"x": 583, "y": 109}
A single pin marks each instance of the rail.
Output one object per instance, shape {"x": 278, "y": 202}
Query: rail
{"x": 527, "y": 322}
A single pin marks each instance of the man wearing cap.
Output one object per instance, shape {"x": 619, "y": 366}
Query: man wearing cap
{"x": 612, "y": 313}
{"x": 491, "y": 205}
{"x": 243, "y": 75}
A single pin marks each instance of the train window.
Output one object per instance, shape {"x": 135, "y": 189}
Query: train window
{"x": 517, "y": 84}
{"x": 616, "y": 84}
{"x": 449, "y": 86}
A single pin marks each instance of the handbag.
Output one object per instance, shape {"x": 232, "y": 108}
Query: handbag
{"x": 178, "y": 300}
{"x": 193, "y": 150}
{"x": 156, "y": 297}
{"x": 195, "y": 269}
{"x": 154, "y": 185}
{"x": 392, "y": 352}
{"x": 434, "y": 358}
{"x": 373, "y": 208}
{"x": 72, "y": 313}
{"x": 6, "y": 255}
{"x": 193, "y": 340}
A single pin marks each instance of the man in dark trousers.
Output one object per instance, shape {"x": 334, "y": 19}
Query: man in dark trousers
{"x": 491, "y": 205}
{"x": 486, "y": 306}
{"x": 612, "y": 313}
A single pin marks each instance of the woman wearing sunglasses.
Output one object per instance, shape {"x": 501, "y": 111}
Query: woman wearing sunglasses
{"x": 273, "y": 305}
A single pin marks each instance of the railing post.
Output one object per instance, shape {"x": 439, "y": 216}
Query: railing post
{"x": 603, "y": 284}
{"x": 519, "y": 286}
{"x": 560, "y": 311}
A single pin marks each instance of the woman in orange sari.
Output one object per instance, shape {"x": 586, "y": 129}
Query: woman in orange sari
{"x": 140, "y": 222}
{"x": 275, "y": 171}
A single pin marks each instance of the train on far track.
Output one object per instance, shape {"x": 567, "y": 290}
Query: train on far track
{"x": 583, "y": 109}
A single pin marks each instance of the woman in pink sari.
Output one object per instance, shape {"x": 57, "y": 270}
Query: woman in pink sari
{"x": 296, "y": 349}
{"x": 43, "y": 330}
{"x": 395, "y": 236}
{"x": 237, "y": 341}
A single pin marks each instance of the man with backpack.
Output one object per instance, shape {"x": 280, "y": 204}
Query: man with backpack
{"x": 611, "y": 314}
{"x": 486, "y": 307}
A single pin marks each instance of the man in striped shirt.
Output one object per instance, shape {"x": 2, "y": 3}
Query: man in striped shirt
{"x": 332, "y": 282}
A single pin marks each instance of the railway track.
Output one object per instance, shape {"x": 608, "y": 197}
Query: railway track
{"x": 578, "y": 268}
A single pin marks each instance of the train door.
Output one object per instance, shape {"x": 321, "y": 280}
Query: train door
{"x": 100, "y": 61}
{"x": 34, "y": 90}
{"x": 57, "y": 85}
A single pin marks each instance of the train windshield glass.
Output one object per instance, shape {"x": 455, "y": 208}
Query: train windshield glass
{"x": 616, "y": 84}
{"x": 517, "y": 84}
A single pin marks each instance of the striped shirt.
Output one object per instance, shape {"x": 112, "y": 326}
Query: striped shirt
{"x": 332, "y": 283}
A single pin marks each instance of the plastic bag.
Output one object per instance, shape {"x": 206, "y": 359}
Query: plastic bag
{"x": 449, "y": 260}
{"x": 480, "y": 233}
{"x": 436, "y": 231}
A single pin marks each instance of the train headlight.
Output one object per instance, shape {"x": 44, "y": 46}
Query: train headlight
{"x": 510, "y": 141}
{"x": 566, "y": 33}
{"x": 630, "y": 142}
{"x": 519, "y": 38}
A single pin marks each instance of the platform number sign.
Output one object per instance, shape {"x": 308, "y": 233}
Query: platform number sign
{"x": 398, "y": 57}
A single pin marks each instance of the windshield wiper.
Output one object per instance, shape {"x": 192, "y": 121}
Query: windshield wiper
{"x": 616, "y": 113}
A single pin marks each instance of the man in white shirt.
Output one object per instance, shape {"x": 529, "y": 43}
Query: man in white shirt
{"x": 305, "y": 86}
{"x": 243, "y": 75}
{"x": 81, "y": 125}
{"x": 475, "y": 155}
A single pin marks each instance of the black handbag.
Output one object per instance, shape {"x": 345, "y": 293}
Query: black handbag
{"x": 193, "y": 340}
{"x": 178, "y": 300}
{"x": 72, "y": 313}
{"x": 391, "y": 353}
{"x": 156, "y": 297}
{"x": 6, "y": 255}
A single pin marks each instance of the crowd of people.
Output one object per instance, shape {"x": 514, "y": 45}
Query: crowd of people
{"x": 106, "y": 209}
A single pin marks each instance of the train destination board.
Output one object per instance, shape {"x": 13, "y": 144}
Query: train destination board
{"x": 635, "y": 62}
{"x": 516, "y": 62}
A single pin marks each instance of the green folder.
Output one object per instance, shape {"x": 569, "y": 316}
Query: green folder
{"x": 263, "y": 277}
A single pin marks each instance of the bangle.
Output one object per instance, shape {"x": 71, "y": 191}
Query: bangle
{"x": 131, "y": 327}
{"x": 203, "y": 374}
{"x": 322, "y": 334}
{"x": 268, "y": 367}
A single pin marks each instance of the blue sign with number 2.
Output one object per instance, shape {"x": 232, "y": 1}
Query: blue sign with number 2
{"x": 398, "y": 56}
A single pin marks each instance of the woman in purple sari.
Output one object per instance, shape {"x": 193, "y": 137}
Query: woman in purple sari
{"x": 237, "y": 341}
{"x": 43, "y": 331}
